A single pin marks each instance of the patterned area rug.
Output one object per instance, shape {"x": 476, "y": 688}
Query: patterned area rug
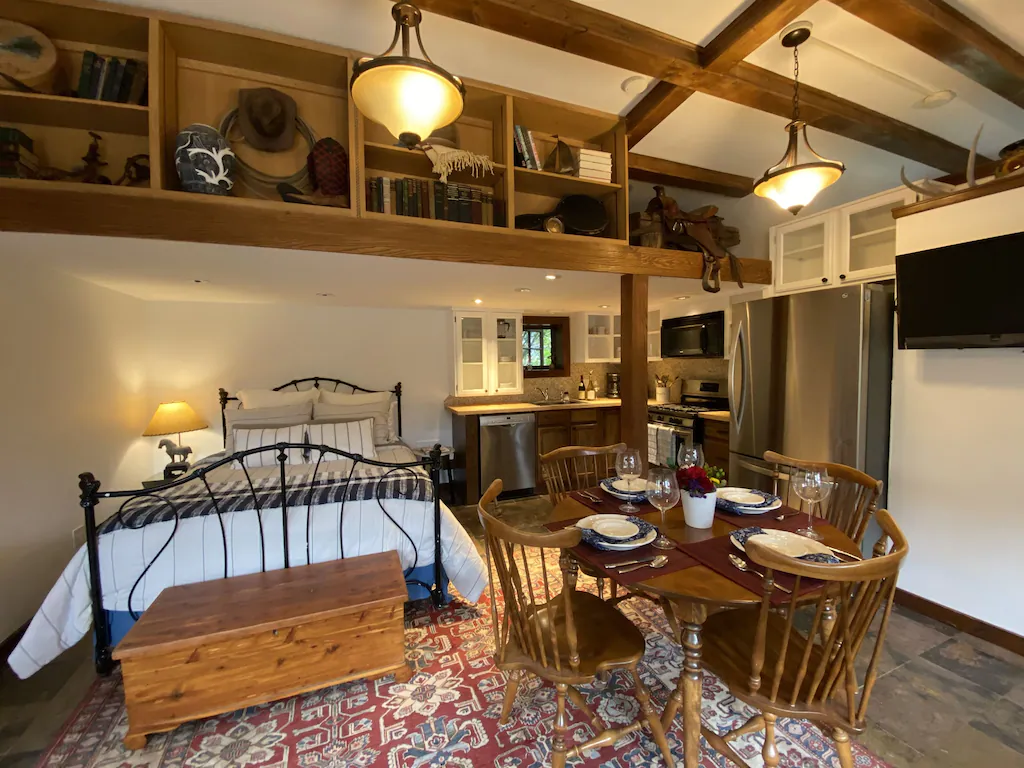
{"x": 446, "y": 716}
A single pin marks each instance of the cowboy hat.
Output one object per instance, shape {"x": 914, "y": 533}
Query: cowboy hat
{"x": 266, "y": 118}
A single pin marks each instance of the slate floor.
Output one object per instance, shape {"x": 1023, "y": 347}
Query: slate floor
{"x": 943, "y": 698}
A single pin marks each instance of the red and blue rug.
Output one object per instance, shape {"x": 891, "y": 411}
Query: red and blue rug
{"x": 446, "y": 716}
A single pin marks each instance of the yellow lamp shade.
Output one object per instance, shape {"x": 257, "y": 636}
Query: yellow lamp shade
{"x": 795, "y": 181}
{"x": 411, "y": 100}
{"x": 172, "y": 418}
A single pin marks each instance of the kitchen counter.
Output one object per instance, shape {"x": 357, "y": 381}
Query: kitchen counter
{"x": 487, "y": 409}
{"x": 715, "y": 416}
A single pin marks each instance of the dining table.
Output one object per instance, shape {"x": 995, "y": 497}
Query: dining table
{"x": 693, "y": 593}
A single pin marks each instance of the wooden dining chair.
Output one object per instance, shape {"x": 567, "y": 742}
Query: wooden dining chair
{"x": 547, "y": 628}
{"x": 850, "y": 505}
{"x": 770, "y": 664}
{"x": 576, "y": 468}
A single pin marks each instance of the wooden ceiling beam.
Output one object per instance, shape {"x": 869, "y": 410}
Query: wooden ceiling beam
{"x": 654, "y": 170}
{"x": 575, "y": 28}
{"x": 744, "y": 34}
{"x": 944, "y": 33}
{"x": 660, "y": 102}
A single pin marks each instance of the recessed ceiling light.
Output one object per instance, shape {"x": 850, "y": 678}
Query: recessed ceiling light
{"x": 935, "y": 99}
{"x": 682, "y": 298}
{"x": 200, "y": 280}
{"x": 551, "y": 277}
{"x": 635, "y": 84}
{"x": 522, "y": 290}
{"x": 325, "y": 295}
{"x": 603, "y": 306}
{"x": 478, "y": 301}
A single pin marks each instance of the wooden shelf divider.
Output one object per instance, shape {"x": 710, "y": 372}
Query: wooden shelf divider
{"x": 66, "y": 112}
{"x": 560, "y": 184}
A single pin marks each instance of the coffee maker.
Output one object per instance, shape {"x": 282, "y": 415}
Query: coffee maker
{"x": 612, "y": 390}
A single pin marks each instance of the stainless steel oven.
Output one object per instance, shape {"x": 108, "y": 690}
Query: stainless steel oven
{"x": 694, "y": 336}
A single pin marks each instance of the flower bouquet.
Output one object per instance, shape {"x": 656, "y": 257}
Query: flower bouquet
{"x": 699, "y": 497}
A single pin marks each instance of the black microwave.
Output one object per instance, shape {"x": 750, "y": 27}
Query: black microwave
{"x": 694, "y": 336}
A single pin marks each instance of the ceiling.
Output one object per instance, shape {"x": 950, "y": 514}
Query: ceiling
{"x": 159, "y": 270}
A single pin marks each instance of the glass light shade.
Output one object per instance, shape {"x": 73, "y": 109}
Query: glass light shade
{"x": 172, "y": 418}
{"x": 408, "y": 97}
{"x": 793, "y": 184}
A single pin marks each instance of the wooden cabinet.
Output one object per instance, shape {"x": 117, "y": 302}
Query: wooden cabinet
{"x": 850, "y": 243}
{"x": 488, "y": 353}
{"x": 612, "y": 426}
{"x": 586, "y": 427}
{"x": 716, "y": 443}
{"x": 553, "y": 431}
{"x": 597, "y": 337}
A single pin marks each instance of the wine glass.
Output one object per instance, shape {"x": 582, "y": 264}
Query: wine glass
{"x": 663, "y": 493}
{"x": 630, "y": 466}
{"x": 689, "y": 455}
{"x": 813, "y": 486}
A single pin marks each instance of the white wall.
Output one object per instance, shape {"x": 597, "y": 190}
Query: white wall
{"x": 956, "y": 446}
{"x": 72, "y": 385}
{"x": 195, "y": 348}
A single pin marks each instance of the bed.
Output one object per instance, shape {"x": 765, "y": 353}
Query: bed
{"x": 250, "y": 510}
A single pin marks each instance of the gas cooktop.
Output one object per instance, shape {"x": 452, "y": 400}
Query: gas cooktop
{"x": 679, "y": 408}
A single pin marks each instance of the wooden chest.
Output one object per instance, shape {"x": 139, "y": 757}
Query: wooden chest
{"x": 208, "y": 648}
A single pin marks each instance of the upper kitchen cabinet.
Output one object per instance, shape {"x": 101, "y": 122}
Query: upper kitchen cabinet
{"x": 851, "y": 243}
{"x": 488, "y": 353}
{"x": 602, "y": 337}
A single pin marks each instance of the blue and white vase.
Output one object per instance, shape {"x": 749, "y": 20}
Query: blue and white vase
{"x": 204, "y": 160}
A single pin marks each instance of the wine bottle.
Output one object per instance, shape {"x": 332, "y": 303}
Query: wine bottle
{"x": 582, "y": 390}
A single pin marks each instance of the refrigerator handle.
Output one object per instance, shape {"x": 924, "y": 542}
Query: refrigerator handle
{"x": 737, "y": 389}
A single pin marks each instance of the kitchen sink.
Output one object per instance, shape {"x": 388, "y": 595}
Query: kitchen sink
{"x": 549, "y": 402}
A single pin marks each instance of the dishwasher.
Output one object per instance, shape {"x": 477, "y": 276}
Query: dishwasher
{"x": 508, "y": 450}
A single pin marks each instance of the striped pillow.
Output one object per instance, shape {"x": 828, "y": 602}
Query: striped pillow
{"x": 348, "y": 436}
{"x": 244, "y": 439}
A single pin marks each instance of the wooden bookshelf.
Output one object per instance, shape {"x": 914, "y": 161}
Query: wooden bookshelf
{"x": 197, "y": 66}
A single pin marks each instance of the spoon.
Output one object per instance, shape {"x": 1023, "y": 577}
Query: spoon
{"x": 659, "y": 562}
{"x": 784, "y": 515}
{"x": 741, "y": 564}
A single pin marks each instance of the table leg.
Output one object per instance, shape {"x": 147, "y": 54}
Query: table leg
{"x": 688, "y": 692}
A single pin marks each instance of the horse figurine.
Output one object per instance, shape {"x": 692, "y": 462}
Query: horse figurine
{"x": 176, "y": 452}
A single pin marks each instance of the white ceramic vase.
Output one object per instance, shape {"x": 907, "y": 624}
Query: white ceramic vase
{"x": 698, "y": 512}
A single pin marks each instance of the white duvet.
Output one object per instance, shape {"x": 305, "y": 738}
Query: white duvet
{"x": 196, "y": 553}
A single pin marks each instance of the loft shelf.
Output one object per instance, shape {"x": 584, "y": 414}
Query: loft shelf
{"x": 559, "y": 185}
{"x": 64, "y": 112}
{"x": 438, "y": 223}
{"x": 412, "y": 162}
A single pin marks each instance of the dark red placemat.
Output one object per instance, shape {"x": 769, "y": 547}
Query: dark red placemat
{"x": 714, "y": 553}
{"x": 768, "y": 519}
{"x": 600, "y": 559}
{"x": 609, "y": 505}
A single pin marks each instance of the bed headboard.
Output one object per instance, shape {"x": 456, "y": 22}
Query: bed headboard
{"x": 299, "y": 385}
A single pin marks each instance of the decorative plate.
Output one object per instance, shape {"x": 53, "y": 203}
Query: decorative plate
{"x": 625, "y": 546}
{"x": 745, "y": 497}
{"x": 767, "y": 503}
{"x": 607, "y": 485}
{"x": 619, "y": 530}
{"x": 644, "y": 535}
{"x": 785, "y": 543}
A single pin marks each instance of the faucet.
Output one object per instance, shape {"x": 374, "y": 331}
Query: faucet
{"x": 544, "y": 392}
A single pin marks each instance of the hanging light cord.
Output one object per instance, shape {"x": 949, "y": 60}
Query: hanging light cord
{"x": 796, "y": 83}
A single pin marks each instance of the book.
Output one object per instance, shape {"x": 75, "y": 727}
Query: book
{"x": 425, "y": 198}
{"x": 112, "y": 86}
{"x": 595, "y": 154}
{"x": 371, "y": 193}
{"x": 440, "y": 198}
{"x": 109, "y": 75}
{"x": 476, "y": 208}
{"x": 465, "y": 204}
{"x": 537, "y": 165}
{"x": 520, "y": 145}
{"x": 432, "y": 199}
{"x": 500, "y": 211}
{"x": 386, "y": 194}
{"x": 86, "y": 74}
{"x": 488, "y": 209}
{"x": 588, "y": 162}
{"x": 139, "y": 93}
{"x": 414, "y": 197}
{"x": 452, "y": 204}
{"x": 130, "y": 67}
{"x": 10, "y": 135}
{"x": 11, "y": 153}
{"x": 15, "y": 170}
{"x": 394, "y": 197}
{"x": 99, "y": 71}
{"x": 595, "y": 175}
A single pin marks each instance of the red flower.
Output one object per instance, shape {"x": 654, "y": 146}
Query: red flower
{"x": 694, "y": 481}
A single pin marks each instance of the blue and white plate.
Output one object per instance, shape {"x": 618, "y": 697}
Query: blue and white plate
{"x": 767, "y": 503}
{"x": 785, "y": 543}
{"x": 613, "y": 486}
{"x": 646, "y": 533}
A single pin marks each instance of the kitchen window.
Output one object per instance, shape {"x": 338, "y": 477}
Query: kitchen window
{"x": 545, "y": 347}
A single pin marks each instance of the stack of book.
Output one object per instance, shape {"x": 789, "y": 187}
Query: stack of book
{"x": 113, "y": 79}
{"x": 434, "y": 200}
{"x": 595, "y": 164}
{"x": 17, "y": 159}
{"x": 526, "y": 149}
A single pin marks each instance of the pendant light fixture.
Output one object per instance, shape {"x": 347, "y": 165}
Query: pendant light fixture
{"x": 409, "y": 96}
{"x": 802, "y": 173}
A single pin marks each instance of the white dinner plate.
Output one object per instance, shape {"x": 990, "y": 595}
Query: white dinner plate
{"x": 786, "y": 543}
{"x": 742, "y": 496}
{"x": 615, "y": 529}
{"x": 738, "y": 510}
{"x": 636, "y": 485}
{"x": 588, "y": 522}
{"x": 627, "y": 545}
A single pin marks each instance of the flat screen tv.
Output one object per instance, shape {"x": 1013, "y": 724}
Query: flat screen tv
{"x": 964, "y": 295}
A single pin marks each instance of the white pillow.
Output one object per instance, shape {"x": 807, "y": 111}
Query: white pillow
{"x": 337, "y": 406}
{"x": 268, "y": 398}
{"x": 348, "y": 436}
{"x": 250, "y": 418}
{"x": 244, "y": 439}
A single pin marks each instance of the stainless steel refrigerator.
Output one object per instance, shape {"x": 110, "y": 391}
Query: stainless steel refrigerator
{"x": 810, "y": 377}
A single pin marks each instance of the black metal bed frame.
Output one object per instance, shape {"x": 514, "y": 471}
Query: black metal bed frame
{"x": 90, "y": 496}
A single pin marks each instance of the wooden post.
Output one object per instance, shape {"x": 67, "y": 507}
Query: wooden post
{"x": 633, "y": 379}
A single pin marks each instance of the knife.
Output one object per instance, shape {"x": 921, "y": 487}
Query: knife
{"x": 631, "y": 562}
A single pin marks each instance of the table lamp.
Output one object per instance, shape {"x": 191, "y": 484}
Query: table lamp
{"x": 170, "y": 419}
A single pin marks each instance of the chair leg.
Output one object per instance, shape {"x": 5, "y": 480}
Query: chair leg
{"x": 842, "y": 740}
{"x": 558, "y": 744}
{"x": 577, "y": 698}
{"x": 600, "y": 587}
{"x": 770, "y": 753}
{"x": 753, "y": 725}
{"x": 651, "y": 718}
{"x": 511, "y": 689}
{"x": 614, "y": 589}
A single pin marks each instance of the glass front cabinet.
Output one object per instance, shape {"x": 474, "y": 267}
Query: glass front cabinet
{"x": 488, "y": 353}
